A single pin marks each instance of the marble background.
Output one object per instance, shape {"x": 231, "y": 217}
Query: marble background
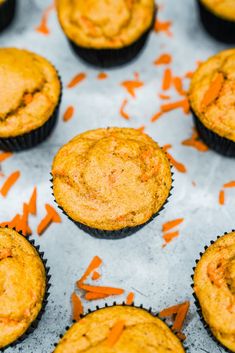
{"x": 159, "y": 277}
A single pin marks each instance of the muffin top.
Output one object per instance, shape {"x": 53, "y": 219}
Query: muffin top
{"x": 214, "y": 285}
{"x": 212, "y": 94}
{"x": 142, "y": 333}
{"x": 111, "y": 178}
{"x": 22, "y": 285}
{"x": 104, "y": 24}
{"x": 29, "y": 91}
{"x": 221, "y": 8}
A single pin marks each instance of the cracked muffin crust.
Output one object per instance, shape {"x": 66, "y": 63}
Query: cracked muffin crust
{"x": 111, "y": 178}
{"x": 22, "y": 285}
{"x": 212, "y": 94}
{"x": 142, "y": 333}
{"x": 106, "y": 24}
{"x": 29, "y": 91}
{"x": 214, "y": 286}
{"x": 221, "y": 8}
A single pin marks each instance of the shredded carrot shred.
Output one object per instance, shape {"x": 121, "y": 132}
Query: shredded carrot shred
{"x": 231, "y": 184}
{"x": 195, "y": 142}
{"x": 163, "y": 27}
{"x": 115, "y": 333}
{"x": 179, "y": 166}
{"x": 167, "y": 79}
{"x": 99, "y": 289}
{"x": 95, "y": 263}
{"x": 33, "y": 202}
{"x": 163, "y": 59}
{"x": 141, "y": 128}
{"x": 96, "y": 275}
{"x": 156, "y": 116}
{"x": 5, "y": 155}
{"x": 169, "y": 311}
{"x": 130, "y": 298}
{"x": 51, "y": 216}
{"x": 11, "y": 180}
{"x": 181, "y": 336}
{"x": 27, "y": 98}
{"x": 131, "y": 86}
{"x": 163, "y": 96}
{"x": 171, "y": 224}
{"x": 95, "y": 296}
{"x": 222, "y": 197}
{"x": 180, "y": 317}
{"x": 184, "y": 104}
{"x": 189, "y": 74}
{"x": 170, "y": 236}
{"x": 102, "y": 76}
{"x": 43, "y": 26}
{"x": 76, "y": 80}
{"x": 177, "y": 81}
{"x": 68, "y": 114}
{"x": 122, "y": 112}
{"x": 213, "y": 91}
{"x": 77, "y": 307}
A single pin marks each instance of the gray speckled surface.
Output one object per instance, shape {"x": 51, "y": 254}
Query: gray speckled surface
{"x": 159, "y": 277}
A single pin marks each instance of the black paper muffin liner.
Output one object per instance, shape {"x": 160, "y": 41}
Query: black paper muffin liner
{"x": 35, "y": 323}
{"x": 218, "y": 27}
{"x": 113, "y": 234}
{"x": 217, "y": 143}
{"x": 34, "y": 137}
{"x": 141, "y": 306}
{"x": 197, "y": 303}
{"x": 7, "y": 12}
{"x": 108, "y": 58}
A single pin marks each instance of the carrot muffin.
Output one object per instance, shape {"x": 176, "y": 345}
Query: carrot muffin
{"x": 139, "y": 331}
{"x": 112, "y": 179}
{"x": 7, "y": 12}
{"x": 106, "y": 33}
{"x": 30, "y": 92}
{"x": 212, "y": 99}
{"x": 218, "y": 18}
{"x": 22, "y": 285}
{"x": 214, "y": 286}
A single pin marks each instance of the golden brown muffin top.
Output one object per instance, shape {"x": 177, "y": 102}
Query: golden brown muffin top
{"x": 111, "y": 178}
{"x": 29, "y": 91}
{"x": 22, "y": 285}
{"x": 105, "y": 23}
{"x": 221, "y": 8}
{"x": 212, "y": 94}
{"x": 214, "y": 284}
{"x": 142, "y": 333}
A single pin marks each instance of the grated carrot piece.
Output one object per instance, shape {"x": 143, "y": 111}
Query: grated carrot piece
{"x": 51, "y": 216}
{"x": 76, "y": 80}
{"x": 68, "y": 114}
{"x": 95, "y": 296}
{"x": 99, "y": 289}
{"x": 95, "y": 263}
{"x": 141, "y": 128}
{"x": 178, "y": 84}
{"x": 11, "y": 180}
{"x": 184, "y": 104}
{"x": 213, "y": 91}
{"x": 115, "y": 333}
{"x": 5, "y": 155}
{"x": 77, "y": 307}
{"x": 167, "y": 79}
{"x": 163, "y": 59}
{"x": 180, "y": 317}
{"x": 163, "y": 96}
{"x": 181, "y": 336}
{"x": 131, "y": 86}
{"x": 122, "y": 112}
{"x": 43, "y": 26}
{"x": 189, "y": 74}
{"x": 102, "y": 76}
{"x": 96, "y": 275}
{"x": 33, "y": 202}
{"x": 155, "y": 117}
{"x": 171, "y": 224}
{"x": 194, "y": 142}
{"x": 170, "y": 236}
{"x": 165, "y": 26}
{"x": 230, "y": 184}
{"x": 130, "y": 298}
{"x": 222, "y": 197}
{"x": 179, "y": 166}
{"x": 169, "y": 311}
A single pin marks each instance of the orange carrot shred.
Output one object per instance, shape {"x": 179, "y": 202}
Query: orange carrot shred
{"x": 184, "y": 104}
{"x": 141, "y": 128}
{"x": 156, "y": 116}
{"x": 33, "y": 202}
{"x": 189, "y": 74}
{"x": 213, "y": 91}
{"x": 180, "y": 317}
{"x": 231, "y": 184}
{"x": 130, "y": 298}
{"x": 169, "y": 311}
{"x": 163, "y": 96}
{"x": 222, "y": 197}
{"x": 115, "y": 333}
{"x": 77, "y": 307}
{"x": 96, "y": 275}
{"x": 68, "y": 114}
{"x": 43, "y": 27}
{"x": 163, "y": 59}
{"x": 167, "y": 79}
{"x": 11, "y": 180}
{"x": 163, "y": 27}
{"x": 102, "y": 76}
{"x": 76, "y": 80}
{"x": 51, "y": 216}
{"x": 122, "y": 112}
{"x": 171, "y": 224}
{"x": 194, "y": 142}
{"x": 131, "y": 86}
{"x": 5, "y": 155}
{"x": 179, "y": 166}
{"x": 95, "y": 296}
{"x": 99, "y": 289}
{"x": 170, "y": 236}
{"x": 95, "y": 263}
{"x": 181, "y": 336}
{"x": 177, "y": 81}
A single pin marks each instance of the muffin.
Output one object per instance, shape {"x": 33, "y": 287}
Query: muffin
{"x": 22, "y": 286}
{"x": 212, "y": 99}
{"x": 30, "y": 95}
{"x": 7, "y": 12}
{"x": 106, "y": 33}
{"x": 111, "y": 181}
{"x": 141, "y": 332}
{"x": 218, "y": 18}
{"x": 214, "y": 287}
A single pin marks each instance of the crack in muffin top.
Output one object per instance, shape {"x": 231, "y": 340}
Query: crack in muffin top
{"x": 222, "y": 8}
{"x": 29, "y": 91}
{"x": 111, "y": 178}
{"x": 218, "y": 114}
{"x": 104, "y": 24}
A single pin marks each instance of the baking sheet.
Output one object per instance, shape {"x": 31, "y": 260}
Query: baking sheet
{"x": 159, "y": 277}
